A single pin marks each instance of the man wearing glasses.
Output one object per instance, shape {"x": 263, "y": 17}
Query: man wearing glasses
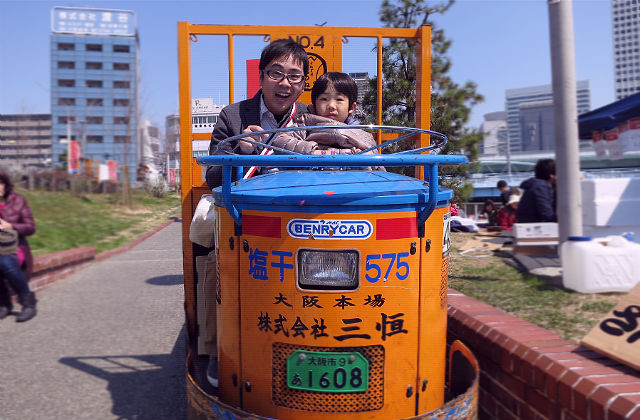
{"x": 283, "y": 69}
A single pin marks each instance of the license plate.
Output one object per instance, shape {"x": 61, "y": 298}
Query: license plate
{"x": 327, "y": 371}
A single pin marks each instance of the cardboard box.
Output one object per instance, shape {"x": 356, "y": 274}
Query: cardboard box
{"x": 546, "y": 231}
{"x": 618, "y": 334}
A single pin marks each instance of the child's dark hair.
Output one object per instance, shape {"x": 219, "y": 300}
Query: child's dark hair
{"x": 283, "y": 48}
{"x": 341, "y": 82}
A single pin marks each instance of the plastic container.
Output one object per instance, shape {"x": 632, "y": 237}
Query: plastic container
{"x": 608, "y": 264}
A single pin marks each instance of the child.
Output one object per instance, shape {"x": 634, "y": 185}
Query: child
{"x": 506, "y": 217}
{"x": 334, "y": 98}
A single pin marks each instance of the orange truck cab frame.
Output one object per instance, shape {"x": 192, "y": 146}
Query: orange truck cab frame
{"x": 331, "y": 285}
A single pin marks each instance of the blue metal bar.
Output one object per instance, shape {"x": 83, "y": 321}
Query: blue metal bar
{"x": 226, "y": 195}
{"x": 432, "y": 176}
{"x": 331, "y": 160}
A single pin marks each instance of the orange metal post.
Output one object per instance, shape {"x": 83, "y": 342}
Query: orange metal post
{"x": 231, "y": 72}
{"x": 188, "y": 206}
{"x": 423, "y": 88}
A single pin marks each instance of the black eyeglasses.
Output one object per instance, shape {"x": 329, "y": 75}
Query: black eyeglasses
{"x": 278, "y": 76}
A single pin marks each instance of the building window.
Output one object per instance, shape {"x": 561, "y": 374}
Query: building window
{"x": 66, "y": 83}
{"x": 94, "y": 83}
{"x": 66, "y": 65}
{"x": 66, "y": 101}
{"x": 66, "y": 46}
{"x": 63, "y": 139}
{"x": 94, "y": 120}
{"x": 121, "y": 48}
{"x": 94, "y": 47}
{"x": 120, "y": 102}
{"x": 65, "y": 120}
{"x": 121, "y": 66}
{"x": 94, "y": 139}
{"x": 93, "y": 65}
{"x": 121, "y": 120}
{"x": 121, "y": 139}
{"x": 94, "y": 101}
{"x": 121, "y": 84}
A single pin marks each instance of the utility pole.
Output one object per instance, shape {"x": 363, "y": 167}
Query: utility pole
{"x": 68, "y": 143}
{"x": 563, "y": 71}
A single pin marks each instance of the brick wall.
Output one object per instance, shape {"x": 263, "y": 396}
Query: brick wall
{"x": 51, "y": 267}
{"x": 528, "y": 372}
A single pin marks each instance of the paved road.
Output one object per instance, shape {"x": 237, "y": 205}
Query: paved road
{"x": 107, "y": 343}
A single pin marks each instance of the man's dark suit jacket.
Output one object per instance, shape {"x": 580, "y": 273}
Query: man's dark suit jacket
{"x": 231, "y": 121}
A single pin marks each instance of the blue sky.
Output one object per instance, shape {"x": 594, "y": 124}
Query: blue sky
{"x": 497, "y": 44}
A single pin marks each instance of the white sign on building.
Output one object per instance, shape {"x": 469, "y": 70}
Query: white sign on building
{"x": 81, "y": 21}
{"x": 202, "y": 106}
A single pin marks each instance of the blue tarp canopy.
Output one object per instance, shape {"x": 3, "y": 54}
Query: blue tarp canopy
{"x": 609, "y": 116}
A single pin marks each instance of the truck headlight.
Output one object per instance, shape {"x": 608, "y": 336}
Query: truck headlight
{"x": 328, "y": 269}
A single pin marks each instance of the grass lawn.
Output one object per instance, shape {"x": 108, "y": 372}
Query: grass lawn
{"x": 64, "y": 220}
{"x": 490, "y": 280}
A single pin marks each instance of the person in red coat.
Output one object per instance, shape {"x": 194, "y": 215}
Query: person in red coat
{"x": 506, "y": 217}
{"x": 15, "y": 214}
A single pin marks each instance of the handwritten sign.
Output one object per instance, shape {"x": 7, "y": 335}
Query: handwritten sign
{"x": 618, "y": 334}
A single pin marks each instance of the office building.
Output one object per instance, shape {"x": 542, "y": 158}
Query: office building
{"x": 172, "y": 133}
{"x": 171, "y": 161}
{"x": 536, "y": 126}
{"x": 516, "y": 97}
{"x": 25, "y": 140}
{"x": 94, "y": 85}
{"x": 626, "y": 48}
{"x": 149, "y": 151}
{"x": 204, "y": 115}
{"x": 362, "y": 81}
{"x": 537, "y": 131}
{"x": 494, "y": 129}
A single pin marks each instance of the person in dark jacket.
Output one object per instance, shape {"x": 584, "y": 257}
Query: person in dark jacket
{"x": 15, "y": 214}
{"x": 505, "y": 191}
{"x": 283, "y": 66}
{"x": 538, "y": 203}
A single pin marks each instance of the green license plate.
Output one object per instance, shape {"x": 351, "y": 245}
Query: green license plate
{"x": 327, "y": 371}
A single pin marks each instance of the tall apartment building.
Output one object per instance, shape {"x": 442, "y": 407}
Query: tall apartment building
{"x": 25, "y": 140}
{"x": 94, "y": 84}
{"x": 626, "y": 46}
{"x": 516, "y": 97}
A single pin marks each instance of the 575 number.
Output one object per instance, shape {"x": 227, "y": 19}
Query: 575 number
{"x": 393, "y": 263}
